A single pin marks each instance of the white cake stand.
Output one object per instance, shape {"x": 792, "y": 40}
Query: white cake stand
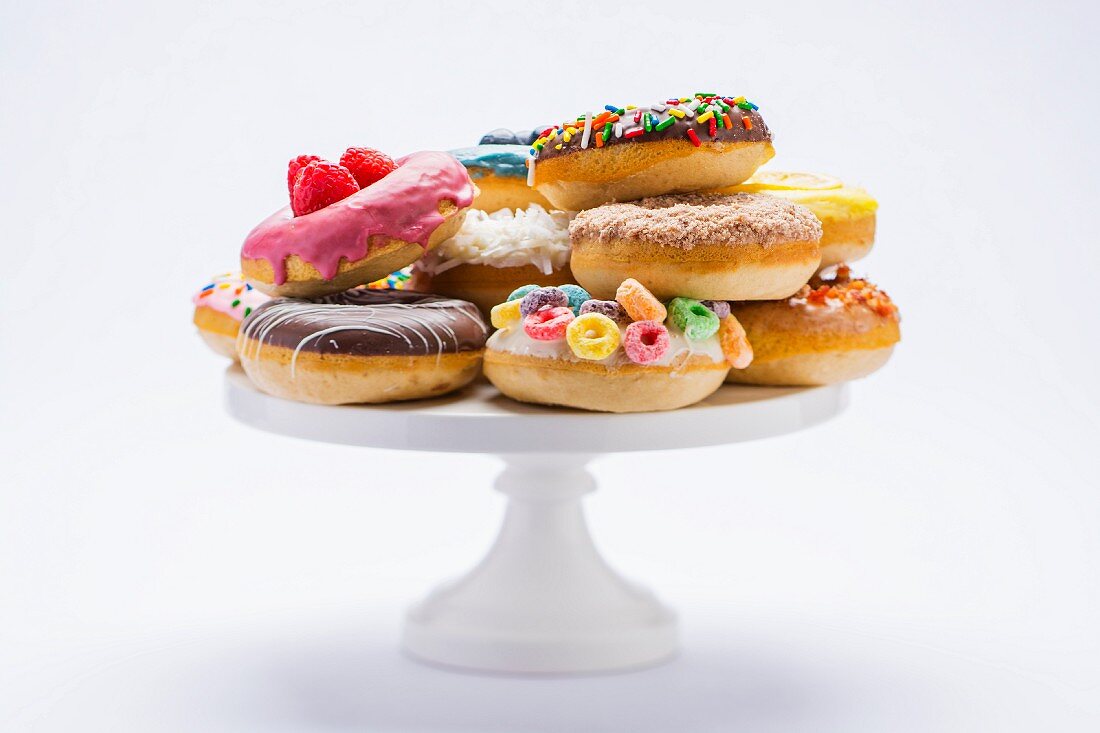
{"x": 542, "y": 600}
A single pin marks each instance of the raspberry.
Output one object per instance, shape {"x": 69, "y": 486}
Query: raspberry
{"x": 367, "y": 165}
{"x": 319, "y": 184}
{"x": 294, "y": 166}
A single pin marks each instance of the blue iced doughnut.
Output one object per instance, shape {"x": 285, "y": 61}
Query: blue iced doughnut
{"x": 500, "y": 174}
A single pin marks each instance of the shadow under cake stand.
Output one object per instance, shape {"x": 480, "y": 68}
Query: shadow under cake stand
{"x": 542, "y": 600}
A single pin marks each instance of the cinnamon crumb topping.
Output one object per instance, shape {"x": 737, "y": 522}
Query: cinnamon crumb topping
{"x": 687, "y": 220}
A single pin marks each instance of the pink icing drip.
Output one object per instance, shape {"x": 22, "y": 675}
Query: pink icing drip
{"x": 403, "y": 205}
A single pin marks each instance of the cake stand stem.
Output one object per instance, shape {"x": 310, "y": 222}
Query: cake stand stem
{"x": 542, "y": 600}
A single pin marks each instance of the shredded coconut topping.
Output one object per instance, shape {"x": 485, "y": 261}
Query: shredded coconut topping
{"x": 505, "y": 238}
{"x": 687, "y": 220}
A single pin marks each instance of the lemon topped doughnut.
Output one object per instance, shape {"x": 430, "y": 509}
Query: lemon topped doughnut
{"x": 679, "y": 145}
{"x": 834, "y": 329}
{"x": 708, "y": 246}
{"x": 847, "y": 213}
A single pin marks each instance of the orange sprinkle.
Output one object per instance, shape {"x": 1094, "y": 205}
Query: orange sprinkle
{"x": 746, "y": 122}
{"x": 599, "y": 140}
{"x": 726, "y": 119}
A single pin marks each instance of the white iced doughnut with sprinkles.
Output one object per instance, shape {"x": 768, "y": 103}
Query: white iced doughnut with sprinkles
{"x": 220, "y": 306}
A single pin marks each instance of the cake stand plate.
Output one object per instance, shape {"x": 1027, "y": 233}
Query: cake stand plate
{"x": 542, "y": 600}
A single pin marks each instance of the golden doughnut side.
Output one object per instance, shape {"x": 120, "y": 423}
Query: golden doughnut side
{"x": 588, "y": 178}
{"x": 384, "y": 255}
{"x": 592, "y": 386}
{"x": 503, "y": 192}
{"x": 707, "y": 271}
{"x": 334, "y": 379}
{"x": 483, "y": 285}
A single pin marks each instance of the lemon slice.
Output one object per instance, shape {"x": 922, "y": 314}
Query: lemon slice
{"x": 787, "y": 181}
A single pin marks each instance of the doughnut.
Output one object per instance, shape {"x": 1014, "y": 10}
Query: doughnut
{"x": 624, "y": 153}
{"x": 847, "y": 213}
{"x": 220, "y": 306}
{"x": 706, "y": 246}
{"x": 833, "y": 330}
{"x": 362, "y": 346}
{"x": 598, "y": 358}
{"x": 493, "y": 254}
{"x": 363, "y": 237}
{"x": 500, "y": 172}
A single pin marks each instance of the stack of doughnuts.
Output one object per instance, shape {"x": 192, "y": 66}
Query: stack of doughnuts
{"x": 630, "y": 258}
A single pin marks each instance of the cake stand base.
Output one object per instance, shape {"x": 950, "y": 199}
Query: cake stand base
{"x": 542, "y": 601}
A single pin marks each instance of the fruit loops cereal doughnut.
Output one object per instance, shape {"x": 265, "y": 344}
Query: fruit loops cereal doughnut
{"x": 624, "y": 153}
{"x": 355, "y": 222}
{"x": 362, "y": 346}
{"x": 220, "y": 306}
{"x": 492, "y": 254}
{"x": 847, "y": 214}
{"x": 705, "y": 246}
{"x": 602, "y": 358}
{"x": 833, "y": 330}
{"x": 500, "y": 173}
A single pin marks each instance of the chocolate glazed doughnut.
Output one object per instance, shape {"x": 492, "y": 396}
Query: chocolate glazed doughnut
{"x": 362, "y": 346}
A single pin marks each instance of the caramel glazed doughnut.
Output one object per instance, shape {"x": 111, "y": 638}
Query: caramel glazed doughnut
{"x": 363, "y": 237}
{"x": 707, "y": 246}
{"x": 833, "y": 330}
{"x": 362, "y": 346}
{"x": 624, "y": 153}
{"x": 558, "y": 346}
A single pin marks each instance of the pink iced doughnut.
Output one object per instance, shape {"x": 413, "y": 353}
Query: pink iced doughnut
{"x": 548, "y": 324}
{"x": 645, "y": 341}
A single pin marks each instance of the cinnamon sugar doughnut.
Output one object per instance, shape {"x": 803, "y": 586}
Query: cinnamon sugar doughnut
{"x": 707, "y": 246}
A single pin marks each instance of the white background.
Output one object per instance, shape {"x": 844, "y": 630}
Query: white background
{"x": 929, "y": 561}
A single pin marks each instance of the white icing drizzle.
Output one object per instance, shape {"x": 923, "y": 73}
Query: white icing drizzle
{"x": 505, "y": 238}
{"x": 409, "y": 323}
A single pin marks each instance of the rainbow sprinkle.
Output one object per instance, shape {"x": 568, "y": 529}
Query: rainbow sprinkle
{"x": 394, "y": 281}
{"x": 708, "y": 110}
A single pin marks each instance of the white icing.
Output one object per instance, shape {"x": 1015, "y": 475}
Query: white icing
{"x": 505, "y": 238}
{"x": 514, "y": 340}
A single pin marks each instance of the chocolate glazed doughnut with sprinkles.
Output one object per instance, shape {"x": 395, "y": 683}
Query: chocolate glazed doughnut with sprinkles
{"x": 680, "y": 145}
{"x": 362, "y": 346}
